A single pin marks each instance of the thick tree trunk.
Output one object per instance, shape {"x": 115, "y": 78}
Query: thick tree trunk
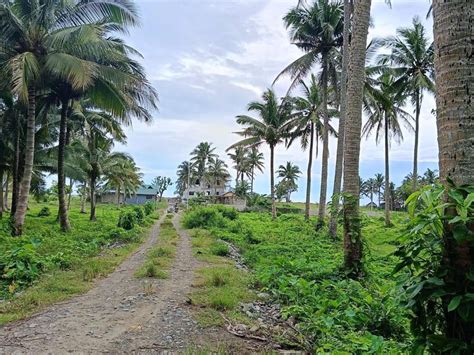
{"x": 25, "y": 184}
{"x": 417, "y": 133}
{"x": 309, "y": 173}
{"x": 62, "y": 212}
{"x": 272, "y": 180}
{"x": 325, "y": 157}
{"x": 340, "y": 141}
{"x": 454, "y": 69}
{"x": 92, "y": 216}
{"x": 353, "y": 125}
{"x": 387, "y": 176}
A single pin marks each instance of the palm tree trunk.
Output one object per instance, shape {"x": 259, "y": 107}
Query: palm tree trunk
{"x": 454, "y": 68}
{"x": 309, "y": 173}
{"x": 117, "y": 195}
{"x": 25, "y": 184}
{"x": 7, "y": 186}
{"x": 272, "y": 180}
{"x": 387, "y": 176}
{"x": 417, "y": 133}
{"x": 340, "y": 141}
{"x": 325, "y": 157}
{"x": 16, "y": 170}
{"x": 71, "y": 185}
{"x": 2, "y": 205}
{"x": 63, "y": 215}
{"x": 83, "y": 198}
{"x": 92, "y": 216}
{"x": 353, "y": 125}
{"x": 251, "y": 181}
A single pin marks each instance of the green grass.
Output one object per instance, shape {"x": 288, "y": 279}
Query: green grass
{"x": 219, "y": 286}
{"x": 45, "y": 265}
{"x": 161, "y": 256}
{"x": 301, "y": 269}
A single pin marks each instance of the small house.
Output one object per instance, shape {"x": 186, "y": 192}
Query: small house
{"x": 143, "y": 195}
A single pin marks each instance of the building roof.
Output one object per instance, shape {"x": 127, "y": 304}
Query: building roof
{"x": 147, "y": 190}
{"x": 228, "y": 194}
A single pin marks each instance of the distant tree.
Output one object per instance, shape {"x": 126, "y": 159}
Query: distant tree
{"x": 412, "y": 61}
{"x": 217, "y": 173}
{"x": 186, "y": 173}
{"x": 201, "y": 155}
{"x": 289, "y": 174}
{"x": 255, "y": 163}
{"x": 161, "y": 183}
{"x": 240, "y": 159}
{"x": 379, "y": 183}
{"x": 242, "y": 189}
{"x": 270, "y": 128}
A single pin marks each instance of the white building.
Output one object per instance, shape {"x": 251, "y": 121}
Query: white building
{"x": 204, "y": 188}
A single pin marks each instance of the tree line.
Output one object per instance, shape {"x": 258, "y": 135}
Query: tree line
{"x": 68, "y": 87}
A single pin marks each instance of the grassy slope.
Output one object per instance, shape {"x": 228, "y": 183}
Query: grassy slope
{"x": 301, "y": 269}
{"x": 50, "y": 266}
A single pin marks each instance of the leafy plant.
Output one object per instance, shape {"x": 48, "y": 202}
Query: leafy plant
{"x": 127, "y": 220}
{"x": 44, "y": 212}
{"x": 148, "y": 208}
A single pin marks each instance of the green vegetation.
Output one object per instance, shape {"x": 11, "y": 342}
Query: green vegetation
{"x": 301, "y": 269}
{"x": 48, "y": 265}
{"x": 219, "y": 287}
{"x": 161, "y": 256}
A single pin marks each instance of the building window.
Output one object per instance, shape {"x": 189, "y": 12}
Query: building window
{"x": 149, "y": 197}
{"x": 208, "y": 186}
{"x": 197, "y": 182}
{"x": 218, "y": 182}
{"x": 217, "y": 193}
{"x": 208, "y": 193}
{"x": 191, "y": 193}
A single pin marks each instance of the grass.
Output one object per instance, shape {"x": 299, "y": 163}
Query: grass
{"x": 46, "y": 266}
{"x": 219, "y": 286}
{"x": 301, "y": 269}
{"x": 161, "y": 256}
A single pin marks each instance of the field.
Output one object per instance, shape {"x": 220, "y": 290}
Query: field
{"x": 300, "y": 269}
{"x": 45, "y": 266}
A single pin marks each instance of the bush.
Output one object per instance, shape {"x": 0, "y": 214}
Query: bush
{"x": 127, "y": 220}
{"x": 149, "y": 207}
{"x": 220, "y": 249}
{"x": 139, "y": 214}
{"x": 44, "y": 212}
{"x": 202, "y": 217}
{"x": 228, "y": 212}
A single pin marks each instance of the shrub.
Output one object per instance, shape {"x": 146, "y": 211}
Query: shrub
{"x": 44, "y": 212}
{"x": 127, "y": 220}
{"x": 21, "y": 265}
{"x": 228, "y": 212}
{"x": 220, "y": 249}
{"x": 202, "y": 217}
{"x": 139, "y": 213}
{"x": 149, "y": 207}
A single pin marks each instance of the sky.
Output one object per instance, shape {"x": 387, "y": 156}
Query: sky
{"x": 209, "y": 58}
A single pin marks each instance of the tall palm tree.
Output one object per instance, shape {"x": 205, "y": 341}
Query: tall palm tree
{"x": 255, "y": 162}
{"x": 454, "y": 70}
{"x": 239, "y": 157}
{"x": 412, "y": 60}
{"x": 369, "y": 188}
{"x": 318, "y": 31}
{"x": 289, "y": 173}
{"x": 270, "y": 128}
{"x": 201, "y": 155}
{"x": 352, "y": 134}
{"x": 379, "y": 183}
{"x": 385, "y": 116}
{"x": 430, "y": 177}
{"x": 306, "y": 124}
{"x": 186, "y": 172}
{"x": 35, "y": 37}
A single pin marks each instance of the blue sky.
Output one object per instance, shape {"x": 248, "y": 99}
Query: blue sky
{"x": 209, "y": 58}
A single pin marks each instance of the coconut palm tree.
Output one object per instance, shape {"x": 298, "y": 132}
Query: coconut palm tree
{"x": 239, "y": 157}
{"x": 255, "y": 162}
{"x": 186, "y": 172}
{"x": 201, "y": 155}
{"x": 217, "y": 173}
{"x": 352, "y": 135}
{"x": 369, "y": 188}
{"x": 385, "y": 116}
{"x": 270, "y": 128}
{"x": 36, "y": 43}
{"x": 379, "y": 183}
{"x": 305, "y": 124}
{"x": 318, "y": 31}
{"x": 289, "y": 173}
{"x": 454, "y": 70}
{"x": 411, "y": 59}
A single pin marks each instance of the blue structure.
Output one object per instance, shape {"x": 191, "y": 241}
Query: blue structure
{"x": 143, "y": 195}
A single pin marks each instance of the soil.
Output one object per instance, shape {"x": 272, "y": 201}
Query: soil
{"x": 123, "y": 314}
